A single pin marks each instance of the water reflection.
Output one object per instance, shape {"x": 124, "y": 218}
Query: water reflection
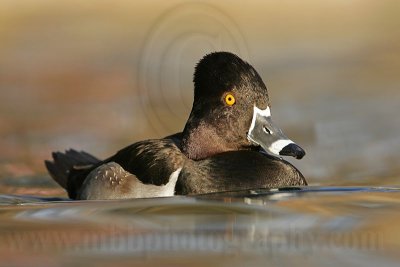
{"x": 339, "y": 223}
{"x": 333, "y": 82}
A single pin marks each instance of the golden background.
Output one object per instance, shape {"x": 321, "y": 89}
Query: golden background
{"x": 99, "y": 75}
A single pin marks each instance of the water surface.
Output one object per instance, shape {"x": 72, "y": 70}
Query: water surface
{"x": 348, "y": 226}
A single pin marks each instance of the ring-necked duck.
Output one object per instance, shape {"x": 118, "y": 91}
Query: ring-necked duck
{"x": 228, "y": 143}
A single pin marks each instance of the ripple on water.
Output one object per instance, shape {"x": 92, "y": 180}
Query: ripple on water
{"x": 304, "y": 225}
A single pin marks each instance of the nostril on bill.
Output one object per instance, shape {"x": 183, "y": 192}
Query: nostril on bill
{"x": 266, "y": 130}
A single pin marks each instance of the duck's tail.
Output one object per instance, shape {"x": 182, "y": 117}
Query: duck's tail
{"x": 69, "y": 165}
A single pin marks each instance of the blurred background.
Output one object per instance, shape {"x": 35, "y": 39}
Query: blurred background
{"x": 99, "y": 75}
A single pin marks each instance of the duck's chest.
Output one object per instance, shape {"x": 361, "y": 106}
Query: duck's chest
{"x": 237, "y": 170}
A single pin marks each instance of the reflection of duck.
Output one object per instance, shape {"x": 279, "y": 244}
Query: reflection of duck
{"x": 222, "y": 147}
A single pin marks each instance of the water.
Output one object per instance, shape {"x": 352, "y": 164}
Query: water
{"x": 311, "y": 226}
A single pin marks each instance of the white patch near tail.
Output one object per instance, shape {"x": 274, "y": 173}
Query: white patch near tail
{"x": 170, "y": 186}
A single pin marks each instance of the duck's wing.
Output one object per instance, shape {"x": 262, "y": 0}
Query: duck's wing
{"x": 144, "y": 169}
{"x": 111, "y": 181}
{"x": 151, "y": 161}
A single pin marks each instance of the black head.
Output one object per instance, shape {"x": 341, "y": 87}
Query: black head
{"x": 220, "y": 73}
{"x": 226, "y": 92}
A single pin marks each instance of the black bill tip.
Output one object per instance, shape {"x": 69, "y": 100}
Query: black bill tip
{"x": 293, "y": 150}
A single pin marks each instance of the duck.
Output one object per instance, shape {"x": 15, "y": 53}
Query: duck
{"x": 228, "y": 143}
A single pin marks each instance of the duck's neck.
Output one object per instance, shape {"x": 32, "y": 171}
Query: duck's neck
{"x": 200, "y": 141}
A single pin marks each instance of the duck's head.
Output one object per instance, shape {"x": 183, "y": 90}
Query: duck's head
{"x": 231, "y": 111}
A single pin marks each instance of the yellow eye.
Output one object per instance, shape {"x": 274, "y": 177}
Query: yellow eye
{"x": 230, "y": 99}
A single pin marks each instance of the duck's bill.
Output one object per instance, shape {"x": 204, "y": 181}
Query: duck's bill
{"x": 265, "y": 133}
